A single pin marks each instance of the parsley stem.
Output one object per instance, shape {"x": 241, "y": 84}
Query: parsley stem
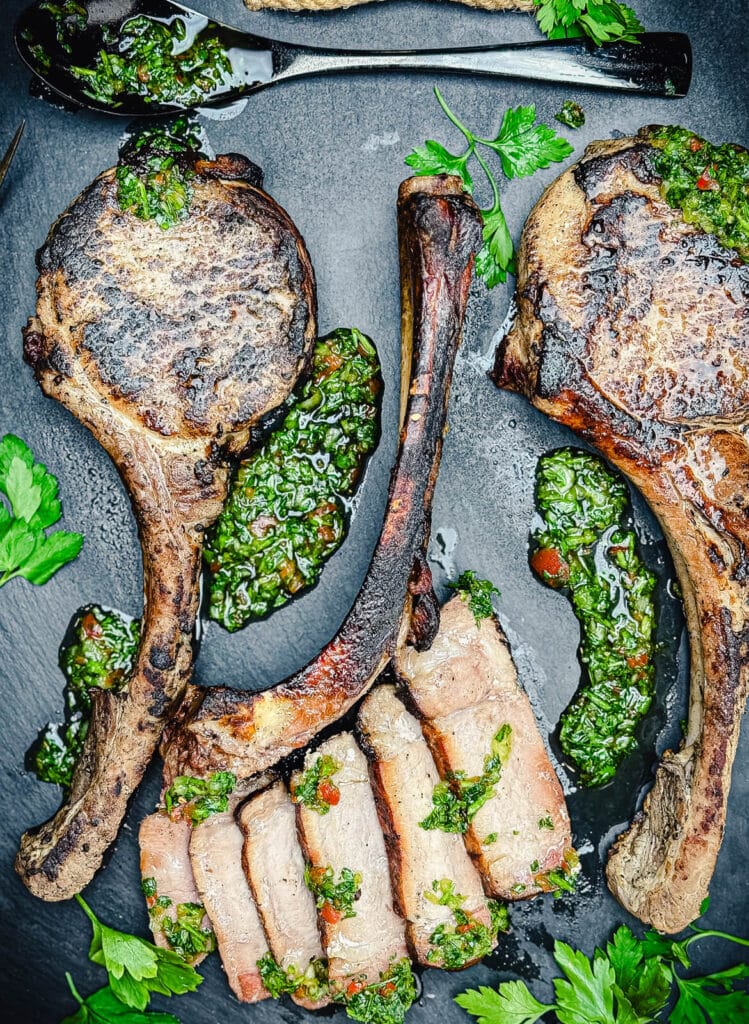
{"x": 716, "y": 935}
{"x": 458, "y": 124}
{"x": 492, "y": 181}
{"x": 72, "y": 988}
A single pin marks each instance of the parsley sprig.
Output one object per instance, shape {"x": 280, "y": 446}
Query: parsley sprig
{"x": 603, "y": 21}
{"x": 632, "y": 981}
{"x": 103, "y": 1007}
{"x": 523, "y": 148}
{"x": 25, "y": 548}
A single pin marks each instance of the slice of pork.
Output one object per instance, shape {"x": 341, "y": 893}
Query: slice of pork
{"x": 216, "y": 859}
{"x": 274, "y": 867}
{"x": 364, "y": 946}
{"x": 165, "y": 858}
{"x": 465, "y": 688}
{"x": 403, "y": 776}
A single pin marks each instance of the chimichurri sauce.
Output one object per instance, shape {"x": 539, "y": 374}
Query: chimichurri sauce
{"x": 287, "y": 507}
{"x": 584, "y": 547}
{"x": 99, "y": 653}
{"x": 708, "y": 183}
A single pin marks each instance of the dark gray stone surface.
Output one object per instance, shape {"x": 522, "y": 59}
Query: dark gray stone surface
{"x": 332, "y": 151}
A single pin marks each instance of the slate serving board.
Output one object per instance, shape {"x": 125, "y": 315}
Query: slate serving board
{"x": 332, "y": 151}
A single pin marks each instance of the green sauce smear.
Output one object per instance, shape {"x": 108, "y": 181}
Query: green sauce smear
{"x": 100, "y": 654}
{"x": 287, "y": 508}
{"x": 310, "y": 983}
{"x": 708, "y": 183}
{"x": 584, "y": 548}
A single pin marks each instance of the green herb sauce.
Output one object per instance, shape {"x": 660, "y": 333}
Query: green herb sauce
{"x": 100, "y": 654}
{"x": 340, "y": 895}
{"x": 559, "y": 880}
{"x": 571, "y": 114}
{"x": 584, "y": 548}
{"x": 314, "y": 788}
{"x": 467, "y": 938}
{"x": 385, "y": 1001}
{"x": 155, "y": 171}
{"x": 195, "y": 799}
{"x": 69, "y": 17}
{"x": 708, "y": 183}
{"x": 457, "y": 798}
{"x": 477, "y": 594}
{"x": 312, "y": 983}
{"x": 287, "y": 507}
{"x": 157, "y": 61}
{"x": 183, "y": 930}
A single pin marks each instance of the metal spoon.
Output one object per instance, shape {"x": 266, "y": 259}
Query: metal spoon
{"x": 660, "y": 64}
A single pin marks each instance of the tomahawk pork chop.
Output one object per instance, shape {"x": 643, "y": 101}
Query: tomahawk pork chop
{"x": 168, "y": 346}
{"x": 633, "y": 329}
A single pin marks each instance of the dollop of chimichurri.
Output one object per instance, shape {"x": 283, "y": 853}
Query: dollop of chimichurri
{"x": 183, "y": 929}
{"x": 194, "y": 799}
{"x": 155, "y": 171}
{"x": 477, "y": 594}
{"x": 310, "y": 983}
{"x": 287, "y": 507}
{"x": 466, "y": 939}
{"x": 584, "y": 547}
{"x": 315, "y": 788}
{"x": 571, "y": 114}
{"x": 382, "y": 1002}
{"x": 157, "y": 61}
{"x": 708, "y": 183}
{"x": 333, "y": 898}
{"x": 457, "y": 798}
{"x": 99, "y": 653}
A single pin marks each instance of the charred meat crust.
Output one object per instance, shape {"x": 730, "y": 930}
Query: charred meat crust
{"x": 152, "y": 294}
{"x": 440, "y": 230}
{"x": 639, "y": 341}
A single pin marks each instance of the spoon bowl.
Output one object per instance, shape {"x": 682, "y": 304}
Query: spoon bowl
{"x": 141, "y": 58}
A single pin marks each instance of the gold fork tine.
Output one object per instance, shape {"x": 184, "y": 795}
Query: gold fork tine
{"x": 11, "y": 152}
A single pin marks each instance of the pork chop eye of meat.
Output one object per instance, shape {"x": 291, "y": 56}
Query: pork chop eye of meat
{"x": 168, "y": 346}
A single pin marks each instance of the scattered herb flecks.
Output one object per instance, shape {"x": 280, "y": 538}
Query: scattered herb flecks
{"x": 522, "y": 146}
{"x": 465, "y": 940}
{"x": 194, "y": 799}
{"x": 151, "y": 59}
{"x": 584, "y": 547}
{"x": 334, "y": 899}
{"x": 288, "y": 503}
{"x": 477, "y": 594}
{"x": 155, "y": 171}
{"x": 26, "y": 549}
{"x": 309, "y": 982}
{"x": 602, "y": 21}
{"x": 457, "y": 798}
{"x": 314, "y": 788}
{"x": 571, "y": 114}
{"x": 708, "y": 183}
{"x": 99, "y": 654}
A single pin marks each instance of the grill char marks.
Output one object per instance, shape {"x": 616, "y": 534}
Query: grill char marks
{"x": 364, "y": 946}
{"x": 127, "y": 314}
{"x": 274, "y": 866}
{"x": 639, "y": 340}
{"x": 403, "y": 776}
{"x": 464, "y": 688}
{"x": 439, "y": 231}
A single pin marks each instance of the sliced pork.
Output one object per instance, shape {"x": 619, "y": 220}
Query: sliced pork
{"x": 347, "y": 839}
{"x": 166, "y": 873}
{"x": 403, "y": 776}
{"x": 274, "y": 867}
{"x": 465, "y": 689}
{"x": 216, "y": 859}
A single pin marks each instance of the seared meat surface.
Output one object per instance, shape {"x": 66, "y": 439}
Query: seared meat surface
{"x": 439, "y": 233}
{"x": 638, "y": 339}
{"x": 465, "y": 689}
{"x": 403, "y": 776}
{"x": 364, "y": 945}
{"x": 168, "y": 346}
{"x": 274, "y": 866}
{"x": 165, "y": 861}
{"x": 216, "y": 859}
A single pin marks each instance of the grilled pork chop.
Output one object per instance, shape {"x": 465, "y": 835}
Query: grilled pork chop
{"x": 216, "y": 859}
{"x": 465, "y": 688}
{"x": 274, "y": 866}
{"x": 168, "y": 346}
{"x": 363, "y": 946}
{"x": 403, "y": 776}
{"x": 440, "y": 230}
{"x": 638, "y": 339}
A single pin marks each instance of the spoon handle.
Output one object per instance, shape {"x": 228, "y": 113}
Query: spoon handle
{"x": 660, "y": 64}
